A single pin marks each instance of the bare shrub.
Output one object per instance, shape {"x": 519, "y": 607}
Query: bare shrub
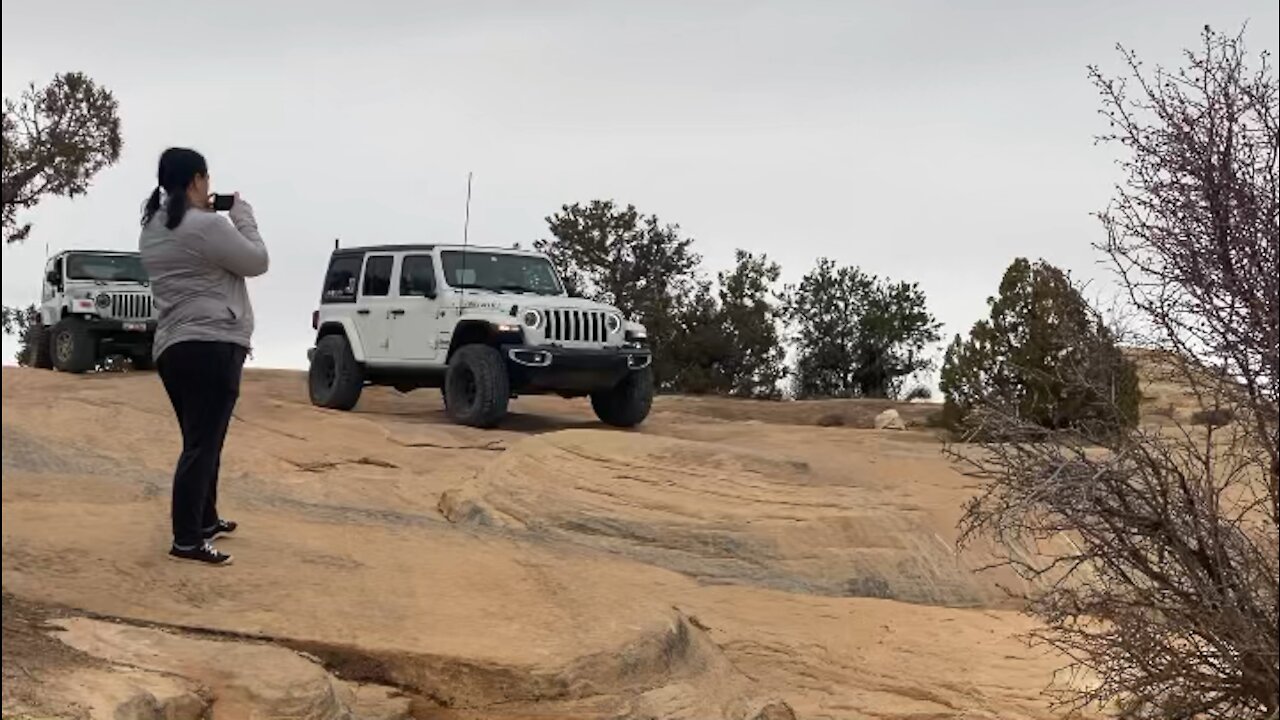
{"x": 1215, "y": 417}
{"x": 1166, "y": 601}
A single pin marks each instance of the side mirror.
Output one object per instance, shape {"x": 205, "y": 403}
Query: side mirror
{"x": 53, "y": 278}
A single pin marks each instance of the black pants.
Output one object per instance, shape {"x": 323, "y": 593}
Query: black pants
{"x": 203, "y": 382}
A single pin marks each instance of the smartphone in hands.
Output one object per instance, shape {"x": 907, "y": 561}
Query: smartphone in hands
{"x": 222, "y": 203}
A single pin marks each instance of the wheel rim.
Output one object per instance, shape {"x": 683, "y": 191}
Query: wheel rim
{"x": 328, "y": 371}
{"x": 468, "y": 389}
{"x": 63, "y": 346}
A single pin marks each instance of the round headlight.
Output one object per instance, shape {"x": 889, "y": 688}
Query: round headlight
{"x": 531, "y": 318}
{"x": 103, "y": 301}
{"x": 613, "y": 323}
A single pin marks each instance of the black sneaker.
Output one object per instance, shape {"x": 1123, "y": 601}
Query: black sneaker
{"x": 205, "y": 553}
{"x": 224, "y": 527}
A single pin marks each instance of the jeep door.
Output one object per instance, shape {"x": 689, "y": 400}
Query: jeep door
{"x": 416, "y": 332}
{"x": 375, "y": 305}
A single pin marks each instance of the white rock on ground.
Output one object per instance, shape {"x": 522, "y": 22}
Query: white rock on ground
{"x": 890, "y": 420}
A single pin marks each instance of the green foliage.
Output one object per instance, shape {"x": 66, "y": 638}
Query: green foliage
{"x": 700, "y": 351}
{"x": 728, "y": 342}
{"x": 1043, "y": 355}
{"x": 857, "y": 335}
{"x": 749, "y": 321}
{"x": 20, "y": 322}
{"x": 636, "y": 263}
{"x": 56, "y": 138}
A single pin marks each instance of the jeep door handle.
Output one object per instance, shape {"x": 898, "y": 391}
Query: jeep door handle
{"x": 362, "y": 312}
{"x": 397, "y": 311}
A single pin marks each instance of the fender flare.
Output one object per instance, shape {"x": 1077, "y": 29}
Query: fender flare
{"x": 343, "y": 326}
{"x": 484, "y": 328}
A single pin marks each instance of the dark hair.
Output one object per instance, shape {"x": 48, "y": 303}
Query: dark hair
{"x": 178, "y": 167}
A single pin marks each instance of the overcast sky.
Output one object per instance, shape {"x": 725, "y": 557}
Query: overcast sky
{"x": 926, "y": 141}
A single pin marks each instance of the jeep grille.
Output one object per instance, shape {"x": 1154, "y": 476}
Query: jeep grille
{"x": 577, "y": 326}
{"x": 131, "y": 306}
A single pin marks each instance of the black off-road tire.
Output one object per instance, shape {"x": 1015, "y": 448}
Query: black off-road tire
{"x": 73, "y": 347}
{"x": 40, "y": 348}
{"x": 477, "y": 388}
{"x": 335, "y": 378}
{"x": 628, "y": 403}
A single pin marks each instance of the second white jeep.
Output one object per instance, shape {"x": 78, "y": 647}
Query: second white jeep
{"x": 483, "y": 324}
{"x": 95, "y": 305}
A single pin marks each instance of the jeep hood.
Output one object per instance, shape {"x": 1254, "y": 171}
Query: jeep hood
{"x": 475, "y": 301}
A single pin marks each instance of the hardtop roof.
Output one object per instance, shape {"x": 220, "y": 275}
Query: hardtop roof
{"x": 362, "y": 249}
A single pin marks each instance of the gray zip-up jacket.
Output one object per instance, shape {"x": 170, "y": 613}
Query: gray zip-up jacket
{"x": 197, "y": 275}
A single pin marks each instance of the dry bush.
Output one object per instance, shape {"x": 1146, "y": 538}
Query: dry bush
{"x": 1215, "y": 417}
{"x": 1167, "y": 603}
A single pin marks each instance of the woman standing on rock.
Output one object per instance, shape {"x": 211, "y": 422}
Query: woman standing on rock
{"x": 198, "y": 261}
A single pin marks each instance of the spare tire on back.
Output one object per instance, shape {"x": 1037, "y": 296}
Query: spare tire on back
{"x": 39, "y": 347}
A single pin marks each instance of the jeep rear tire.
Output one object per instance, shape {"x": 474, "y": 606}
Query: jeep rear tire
{"x": 476, "y": 387}
{"x": 628, "y": 403}
{"x": 73, "y": 347}
{"x": 40, "y": 347}
{"x": 335, "y": 378}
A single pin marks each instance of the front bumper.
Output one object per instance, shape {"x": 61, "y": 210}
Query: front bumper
{"x": 113, "y": 325}
{"x": 539, "y": 368}
{"x": 128, "y": 337}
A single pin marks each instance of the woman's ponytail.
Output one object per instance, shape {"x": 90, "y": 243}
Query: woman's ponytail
{"x": 153, "y": 205}
{"x": 174, "y": 209}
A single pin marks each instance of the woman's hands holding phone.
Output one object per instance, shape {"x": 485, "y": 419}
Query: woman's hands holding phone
{"x": 223, "y": 203}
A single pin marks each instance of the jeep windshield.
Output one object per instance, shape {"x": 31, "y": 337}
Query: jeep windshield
{"x": 105, "y": 268}
{"x": 500, "y": 272}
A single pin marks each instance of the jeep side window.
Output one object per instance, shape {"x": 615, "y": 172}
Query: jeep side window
{"x": 52, "y": 280}
{"x": 340, "y": 281}
{"x": 417, "y": 276}
{"x": 377, "y": 276}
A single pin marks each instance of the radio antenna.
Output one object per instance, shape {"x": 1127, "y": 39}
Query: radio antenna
{"x": 466, "y": 224}
{"x": 466, "y": 238}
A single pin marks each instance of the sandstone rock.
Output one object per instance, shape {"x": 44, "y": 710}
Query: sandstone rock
{"x": 187, "y": 706}
{"x": 128, "y": 693}
{"x": 245, "y": 679}
{"x": 890, "y": 420}
{"x": 718, "y": 514}
{"x": 142, "y": 706}
{"x": 776, "y": 710}
{"x": 555, "y": 609}
{"x": 373, "y": 702}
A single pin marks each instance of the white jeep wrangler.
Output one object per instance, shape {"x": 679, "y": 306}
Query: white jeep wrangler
{"x": 95, "y": 304}
{"x": 482, "y": 324}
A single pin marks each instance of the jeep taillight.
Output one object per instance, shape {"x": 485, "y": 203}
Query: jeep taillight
{"x": 315, "y": 320}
